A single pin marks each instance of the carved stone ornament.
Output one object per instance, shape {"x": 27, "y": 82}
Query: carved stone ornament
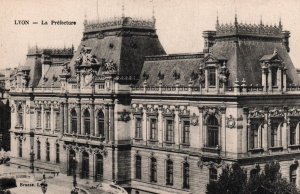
{"x": 256, "y": 113}
{"x": 276, "y": 113}
{"x": 12, "y": 108}
{"x": 85, "y": 57}
{"x": 230, "y": 121}
{"x": 27, "y": 109}
{"x": 124, "y": 116}
{"x": 194, "y": 119}
{"x": 87, "y": 77}
{"x": 110, "y": 66}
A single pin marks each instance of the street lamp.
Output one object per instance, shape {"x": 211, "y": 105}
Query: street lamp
{"x": 32, "y": 159}
{"x": 74, "y": 166}
{"x": 44, "y": 185}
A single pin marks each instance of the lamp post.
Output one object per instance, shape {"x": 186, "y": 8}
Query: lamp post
{"x": 32, "y": 160}
{"x": 74, "y": 166}
{"x": 44, "y": 185}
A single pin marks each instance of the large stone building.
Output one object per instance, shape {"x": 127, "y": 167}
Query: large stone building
{"x": 155, "y": 123}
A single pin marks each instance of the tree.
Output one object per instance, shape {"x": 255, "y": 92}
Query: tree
{"x": 234, "y": 180}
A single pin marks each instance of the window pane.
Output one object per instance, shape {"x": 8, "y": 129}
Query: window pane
{"x": 212, "y": 77}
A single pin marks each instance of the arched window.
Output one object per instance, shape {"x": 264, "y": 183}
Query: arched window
{"x": 38, "y": 150}
{"x": 213, "y": 132}
{"x": 47, "y": 151}
{"x": 86, "y": 122}
{"x": 73, "y": 121}
{"x": 85, "y": 165}
{"x": 153, "y": 170}
{"x": 213, "y": 174}
{"x": 99, "y": 168}
{"x": 20, "y": 115}
{"x": 57, "y": 153}
{"x": 186, "y": 175}
{"x": 20, "y": 148}
{"x": 101, "y": 123}
{"x": 138, "y": 167}
{"x": 169, "y": 172}
{"x": 293, "y": 174}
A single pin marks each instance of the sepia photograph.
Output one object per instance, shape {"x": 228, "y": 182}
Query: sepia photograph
{"x": 149, "y": 97}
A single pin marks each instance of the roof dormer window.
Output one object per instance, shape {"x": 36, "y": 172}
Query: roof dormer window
{"x": 212, "y": 77}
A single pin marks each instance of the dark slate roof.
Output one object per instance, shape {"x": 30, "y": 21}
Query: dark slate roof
{"x": 244, "y": 59}
{"x": 35, "y": 70}
{"x": 52, "y": 76}
{"x": 127, "y": 51}
{"x": 183, "y": 64}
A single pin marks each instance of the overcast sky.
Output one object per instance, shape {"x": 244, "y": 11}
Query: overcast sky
{"x": 179, "y": 22}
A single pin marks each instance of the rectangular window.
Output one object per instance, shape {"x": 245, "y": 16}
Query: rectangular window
{"x": 169, "y": 130}
{"x": 57, "y": 153}
{"x": 186, "y": 132}
{"x": 47, "y": 120}
{"x": 293, "y": 125}
{"x": 274, "y": 76}
{"x": 38, "y": 119}
{"x": 20, "y": 148}
{"x": 74, "y": 124}
{"x": 138, "y": 128}
{"x": 186, "y": 175}
{"x": 254, "y": 136}
{"x": 138, "y": 167}
{"x": 20, "y": 118}
{"x": 57, "y": 121}
{"x": 38, "y": 152}
{"x": 153, "y": 129}
{"x": 212, "y": 76}
{"x": 48, "y": 151}
{"x": 274, "y": 128}
{"x": 169, "y": 180}
{"x": 153, "y": 170}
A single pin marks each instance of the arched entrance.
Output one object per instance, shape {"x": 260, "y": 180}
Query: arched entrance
{"x": 99, "y": 168}
{"x": 85, "y": 165}
{"x": 72, "y": 165}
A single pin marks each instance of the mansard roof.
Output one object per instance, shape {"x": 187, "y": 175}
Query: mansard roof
{"x": 51, "y": 77}
{"x": 171, "y": 69}
{"x": 124, "y": 41}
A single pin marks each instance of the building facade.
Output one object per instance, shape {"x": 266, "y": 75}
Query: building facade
{"x": 127, "y": 112}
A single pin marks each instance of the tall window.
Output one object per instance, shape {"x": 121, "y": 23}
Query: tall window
{"x": 57, "y": 153}
{"x": 213, "y": 131}
{"x": 87, "y": 122}
{"x": 38, "y": 150}
{"x": 212, "y": 76}
{"x": 213, "y": 174}
{"x": 169, "y": 177}
{"x": 74, "y": 121}
{"x": 274, "y": 76}
{"x": 57, "y": 120}
{"x": 138, "y": 167}
{"x": 186, "y": 132}
{"x": 254, "y": 135}
{"x": 169, "y": 131}
{"x": 47, "y": 151}
{"x": 101, "y": 123}
{"x": 293, "y": 125}
{"x": 153, "y": 170}
{"x": 293, "y": 174}
{"x": 153, "y": 129}
{"x": 20, "y": 115}
{"x": 138, "y": 128}
{"x": 274, "y": 134}
{"x": 20, "y": 148}
{"x": 186, "y": 175}
{"x": 38, "y": 119}
{"x": 47, "y": 120}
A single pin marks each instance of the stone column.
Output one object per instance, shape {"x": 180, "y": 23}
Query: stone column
{"x": 223, "y": 129}
{"x": 176, "y": 126}
{"x": 52, "y": 117}
{"x": 66, "y": 117}
{"x": 285, "y": 134}
{"x": 42, "y": 117}
{"x": 246, "y": 131}
{"x": 206, "y": 79}
{"x": 264, "y": 79}
{"x": 265, "y": 132}
{"x": 106, "y": 123}
{"x": 270, "y": 80}
{"x": 61, "y": 117}
{"x": 97, "y": 132}
{"x": 160, "y": 122}
{"x": 145, "y": 123}
{"x": 217, "y": 80}
{"x": 279, "y": 81}
{"x": 93, "y": 131}
{"x": 201, "y": 128}
{"x": 111, "y": 122}
{"x": 284, "y": 83}
{"x": 78, "y": 112}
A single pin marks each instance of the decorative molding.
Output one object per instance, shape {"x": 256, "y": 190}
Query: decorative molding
{"x": 124, "y": 116}
{"x": 194, "y": 119}
{"x": 230, "y": 122}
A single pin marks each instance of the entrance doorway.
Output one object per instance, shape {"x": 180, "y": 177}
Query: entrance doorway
{"x": 72, "y": 165}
